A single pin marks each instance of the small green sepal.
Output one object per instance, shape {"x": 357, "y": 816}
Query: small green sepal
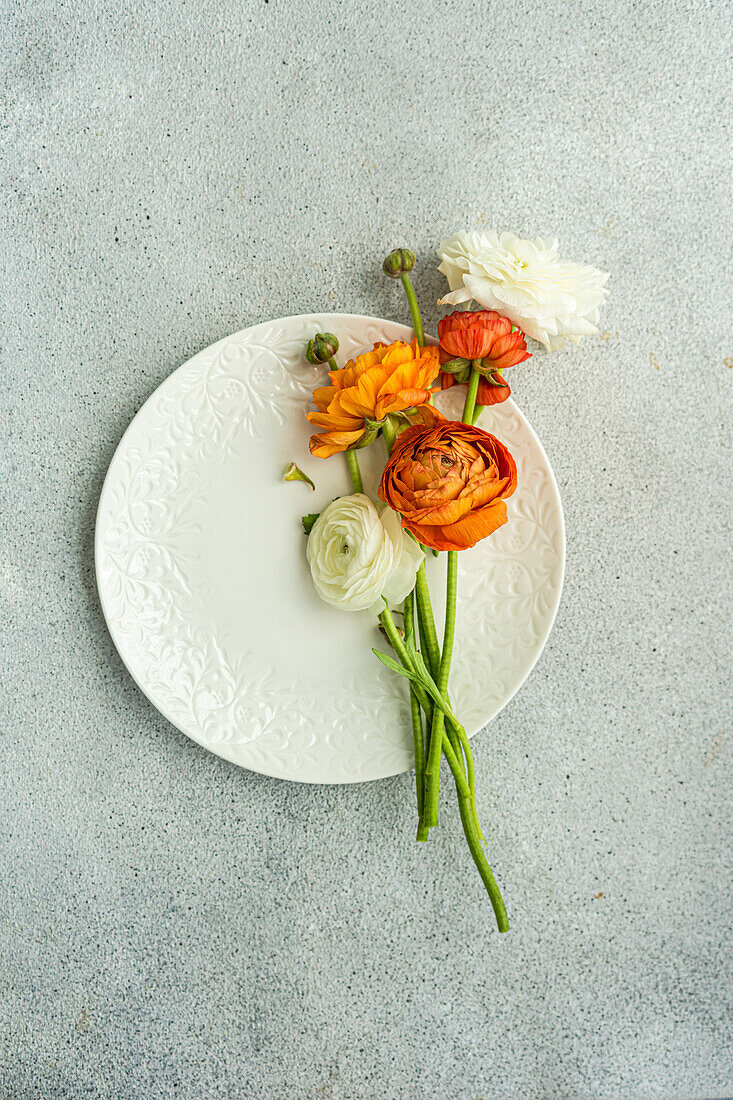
{"x": 294, "y": 473}
{"x": 456, "y": 366}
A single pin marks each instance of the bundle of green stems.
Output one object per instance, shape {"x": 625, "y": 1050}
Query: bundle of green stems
{"x": 436, "y": 731}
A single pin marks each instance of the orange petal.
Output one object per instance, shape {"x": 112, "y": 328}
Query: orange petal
{"x": 330, "y": 421}
{"x": 397, "y": 354}
{"x": 465, "y": 533}
{"x": 323, "y": 396}
{"x": 330, "y": 443}
{"x": 397, "y": 402}
{"x": 427, "y": 416}
{"x": 491, "y": 395}
{"x": 361, "y": 399}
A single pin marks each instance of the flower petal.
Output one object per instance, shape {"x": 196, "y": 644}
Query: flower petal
{"x": 466, "y": 532}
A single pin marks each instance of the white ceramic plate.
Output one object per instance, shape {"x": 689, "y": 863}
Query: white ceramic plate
{"x": 200, "y": 559}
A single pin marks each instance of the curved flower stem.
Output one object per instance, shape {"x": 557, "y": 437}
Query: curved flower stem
{"x": 471, "y": 391}
{"x": 355, "y": 471}
{"x": 432, "y": 768}
{"x": 467, "y": 811}
{"x": 332, "y": 364}
{"x": 418, "y": 738}
{"x": 479, "y": 858}
{"x": 466, "y": 800}
{"x": 472, "y": 833}
{"x": 431, "y": 653}
{"x": 388, "y": 433}
{"x": 477, "y": 413}
{"x": 414, "y": 308}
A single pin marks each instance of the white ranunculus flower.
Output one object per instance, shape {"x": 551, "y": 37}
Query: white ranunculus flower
{"x": 359, "y": 554}
{"x": 547, "y": 297}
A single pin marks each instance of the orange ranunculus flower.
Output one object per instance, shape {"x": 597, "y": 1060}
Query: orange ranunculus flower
{"x": 449, "y": 482}
{"x": 484, "y": 338}
{"x": 389, "y": 379}
{"x": 482, "y": 334}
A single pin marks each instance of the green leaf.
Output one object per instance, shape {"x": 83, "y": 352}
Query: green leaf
{"x": 395, "y": 666}
{"x": 308, "y": 521}
{"x": 422, "y": 679}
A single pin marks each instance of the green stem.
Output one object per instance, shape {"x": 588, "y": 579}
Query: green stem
{"x": 414, "y": 308}
{"x": 472, "y": 832}
{"x": 466, "y": 795}
{"x": 423, "y": 702}
{"x": 455, "y": 738}
{"x": 428, "y": 635}
{"x": 429, "y": 647}
{"x": 471, "y": 391}
{"x": 477, "y": 413}
{"x": 332, "y": 364}
{"x": 432, "y": 767}
{"x": 449, "y": 632}
{"x": 418, "y": 738}
{"x": 355, "y": 471}
{"x": 390, "y": 629}
{"x": 479, "y": 858}
{"x": 388, "y": 434}
{"x": 465, "y": 744}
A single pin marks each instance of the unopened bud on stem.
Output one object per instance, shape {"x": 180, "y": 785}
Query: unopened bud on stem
{"x": 400, "y": 260}
{"x": 321, "y": 348}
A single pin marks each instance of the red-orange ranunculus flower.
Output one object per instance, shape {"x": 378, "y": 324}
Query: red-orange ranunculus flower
{"x": 485, "y": 338}
{"x": 449, "y": 482}
{"x": 388, "y": 379}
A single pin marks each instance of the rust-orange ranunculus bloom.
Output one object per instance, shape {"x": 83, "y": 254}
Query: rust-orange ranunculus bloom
{"x": 389, "y": 379}
{"x": 449, "y": 482}
{"x": 485, "y": 338}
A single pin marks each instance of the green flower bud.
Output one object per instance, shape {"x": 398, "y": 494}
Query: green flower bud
{"x": 321, "y": 348}
{"x": 399, "y": 260}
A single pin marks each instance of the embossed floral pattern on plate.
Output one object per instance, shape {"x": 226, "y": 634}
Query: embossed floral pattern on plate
{"x": 200, "y": 570}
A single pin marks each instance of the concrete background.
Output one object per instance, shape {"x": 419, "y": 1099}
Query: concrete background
{"x": 173, "y": 927}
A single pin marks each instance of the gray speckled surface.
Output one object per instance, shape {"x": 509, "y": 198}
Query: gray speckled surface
{"x": 173, "y": 927}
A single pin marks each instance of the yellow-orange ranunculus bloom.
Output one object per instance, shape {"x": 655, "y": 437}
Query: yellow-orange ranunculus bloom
{"x": 389, "y": 379}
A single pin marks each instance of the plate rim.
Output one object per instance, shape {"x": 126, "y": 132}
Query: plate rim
{"x": 216, "y": 750}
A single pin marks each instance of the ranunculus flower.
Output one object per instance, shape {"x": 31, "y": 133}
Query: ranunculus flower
{"x": 449, "y": 483}
{"x": 482, "y": 334}
{"x": 484, "y": 338}
{"x": 549, "y": 298}
{"x": 389, "y": 379}
{"x": 359, "y": 555}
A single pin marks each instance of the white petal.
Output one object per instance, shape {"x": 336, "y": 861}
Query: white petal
{"x": 455, "y": 298}
{"x": 549, "y": 298}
